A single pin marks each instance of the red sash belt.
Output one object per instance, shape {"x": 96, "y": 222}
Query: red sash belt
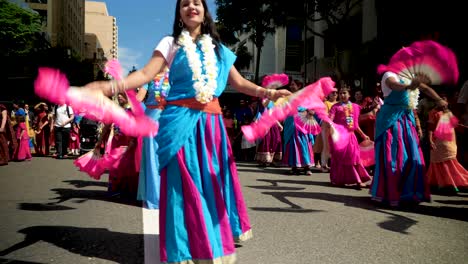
{"x": 212, "y": 107}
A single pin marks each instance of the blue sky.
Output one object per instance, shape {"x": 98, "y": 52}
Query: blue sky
{"x": 142, "y": 24}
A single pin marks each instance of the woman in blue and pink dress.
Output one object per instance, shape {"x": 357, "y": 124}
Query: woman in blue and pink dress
{"x": 202, "y": 211}
{"x": 298, "y": 152}
{"x": 346, "y": 167}
{"x": 400, "y": 172}
{"x": 269, "y": 148}
{"x": 154, "y": 96}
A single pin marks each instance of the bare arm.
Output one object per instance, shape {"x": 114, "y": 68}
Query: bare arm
{"x": 4, "y": 119}
{"x": 432, "y": 94}
{"x": 136, "y": 79}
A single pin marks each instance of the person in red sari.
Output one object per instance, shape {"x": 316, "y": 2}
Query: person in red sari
{"x": 22, "y": 151}
{"x": 370, "y": 105}
{"x": 42, "y": 128}
{"x": 124, "y": 172}
{"x": 7, "y": 136}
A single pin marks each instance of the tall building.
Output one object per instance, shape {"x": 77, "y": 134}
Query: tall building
{"x": 63, "y": 23}
{"x": 101, "y": 32}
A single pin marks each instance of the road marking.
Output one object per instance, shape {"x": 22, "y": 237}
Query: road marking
{"x": 151, "y": 235}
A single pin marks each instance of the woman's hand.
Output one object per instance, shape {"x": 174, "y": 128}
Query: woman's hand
{"x": 279, "y": 93}
{"x": 442, "y": 104}
{"x": 2, "y": 129}
{"x": 433, "y": 146}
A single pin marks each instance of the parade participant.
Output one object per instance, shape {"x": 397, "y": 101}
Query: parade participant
{"x": 369, "y": 108}
{"x": 202, "y": 211}
{"x": 346, "y": 167}
{"x": 74, "y": 145}
{"x": 400, "y": 169}
{"x": 122, "y": 156}
{"x": 325, "y": 155}
{"x": 7, "y": 136}
{"x": 155, "y": 93}
{"x": 22, "y": 151}
{"x": 445, "y": 173}
{"x": 42, "y": 129}
{"x": 269, "y": 148}
{"x": 298, "y": 152}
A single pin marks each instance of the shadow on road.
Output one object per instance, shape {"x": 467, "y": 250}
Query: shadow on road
{"x": 13, "y": 261}
{"x": 43, "y": 207}
{"x": 82, "y": 184}
{"x": 395, "y": 221}
{"x": 90, "y": 242}
{"x": 77, "y": 196}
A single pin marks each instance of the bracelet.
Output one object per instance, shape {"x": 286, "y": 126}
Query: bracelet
{"x": 256, "y": 91}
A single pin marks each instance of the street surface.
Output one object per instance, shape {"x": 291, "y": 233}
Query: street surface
{"x": 51, "y": 213}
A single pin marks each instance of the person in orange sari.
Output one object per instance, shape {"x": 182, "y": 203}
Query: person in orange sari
{"x": 42, "y": 128}
{"x": 445, "y": 173}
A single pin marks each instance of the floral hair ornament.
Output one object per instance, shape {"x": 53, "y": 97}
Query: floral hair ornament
{"x": 274, "y": 81}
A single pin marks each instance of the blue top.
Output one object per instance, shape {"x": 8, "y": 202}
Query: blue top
{"x": 395, "y": 106}
{"x": 177, "y": 122}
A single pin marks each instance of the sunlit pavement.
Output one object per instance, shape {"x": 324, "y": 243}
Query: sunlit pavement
{"x": 51, "y": 213}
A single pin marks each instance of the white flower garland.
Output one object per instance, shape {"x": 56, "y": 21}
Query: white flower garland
{"x": 205, "y": 84}
{"x": 413, "y": 98}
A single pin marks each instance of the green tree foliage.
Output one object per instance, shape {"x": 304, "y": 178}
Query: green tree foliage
{"x": 243, "y": 58}
{"x": 18, "y": 30}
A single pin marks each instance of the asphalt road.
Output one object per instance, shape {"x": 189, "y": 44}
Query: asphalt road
{"x": 51, "y": 213}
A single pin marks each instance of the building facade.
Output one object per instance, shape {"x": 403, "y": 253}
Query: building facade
{"x": 63, "y": 23}
{"x": 101, "y": 32}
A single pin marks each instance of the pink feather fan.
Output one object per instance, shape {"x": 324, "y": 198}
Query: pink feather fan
{"x": 91, "y": 163}
{"x": 274, "y": 81}
{"x": 306, "y": 123}
{"x": 424, "y": 57}
{"x": 52, "y": 85}
{"x": 367, "y": 153}
{"x": 310, "y": 97}
{"x": 445, "y": 126}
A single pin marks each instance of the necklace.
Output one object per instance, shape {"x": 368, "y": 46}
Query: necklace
{"x": 161, "y": 83}
{"x": 348, "y": 110}
{"x": 204, "y": 84}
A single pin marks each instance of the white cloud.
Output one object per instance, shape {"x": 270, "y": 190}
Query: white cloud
{"x": 129, "y": 58}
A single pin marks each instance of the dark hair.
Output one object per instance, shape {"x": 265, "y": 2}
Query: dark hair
{"x": 345, "y": 89}
{"x": 298, "y": 83}
{"x": 208, "y": 26}
{"x": 20, "y": 119}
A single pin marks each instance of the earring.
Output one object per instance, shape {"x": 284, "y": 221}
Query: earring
{"x": 204, "y": 22}
{"x": 181, "y": 24}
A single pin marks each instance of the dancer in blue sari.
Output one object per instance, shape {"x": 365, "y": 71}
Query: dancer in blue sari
{"x": 154, "y": 97}
{"x": 202, "y": 211}
{"x": 400, "y": 172}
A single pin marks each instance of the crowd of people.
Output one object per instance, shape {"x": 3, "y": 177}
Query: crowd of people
{"x": 26, "y": 132}
{"x": 369, "y": 103}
